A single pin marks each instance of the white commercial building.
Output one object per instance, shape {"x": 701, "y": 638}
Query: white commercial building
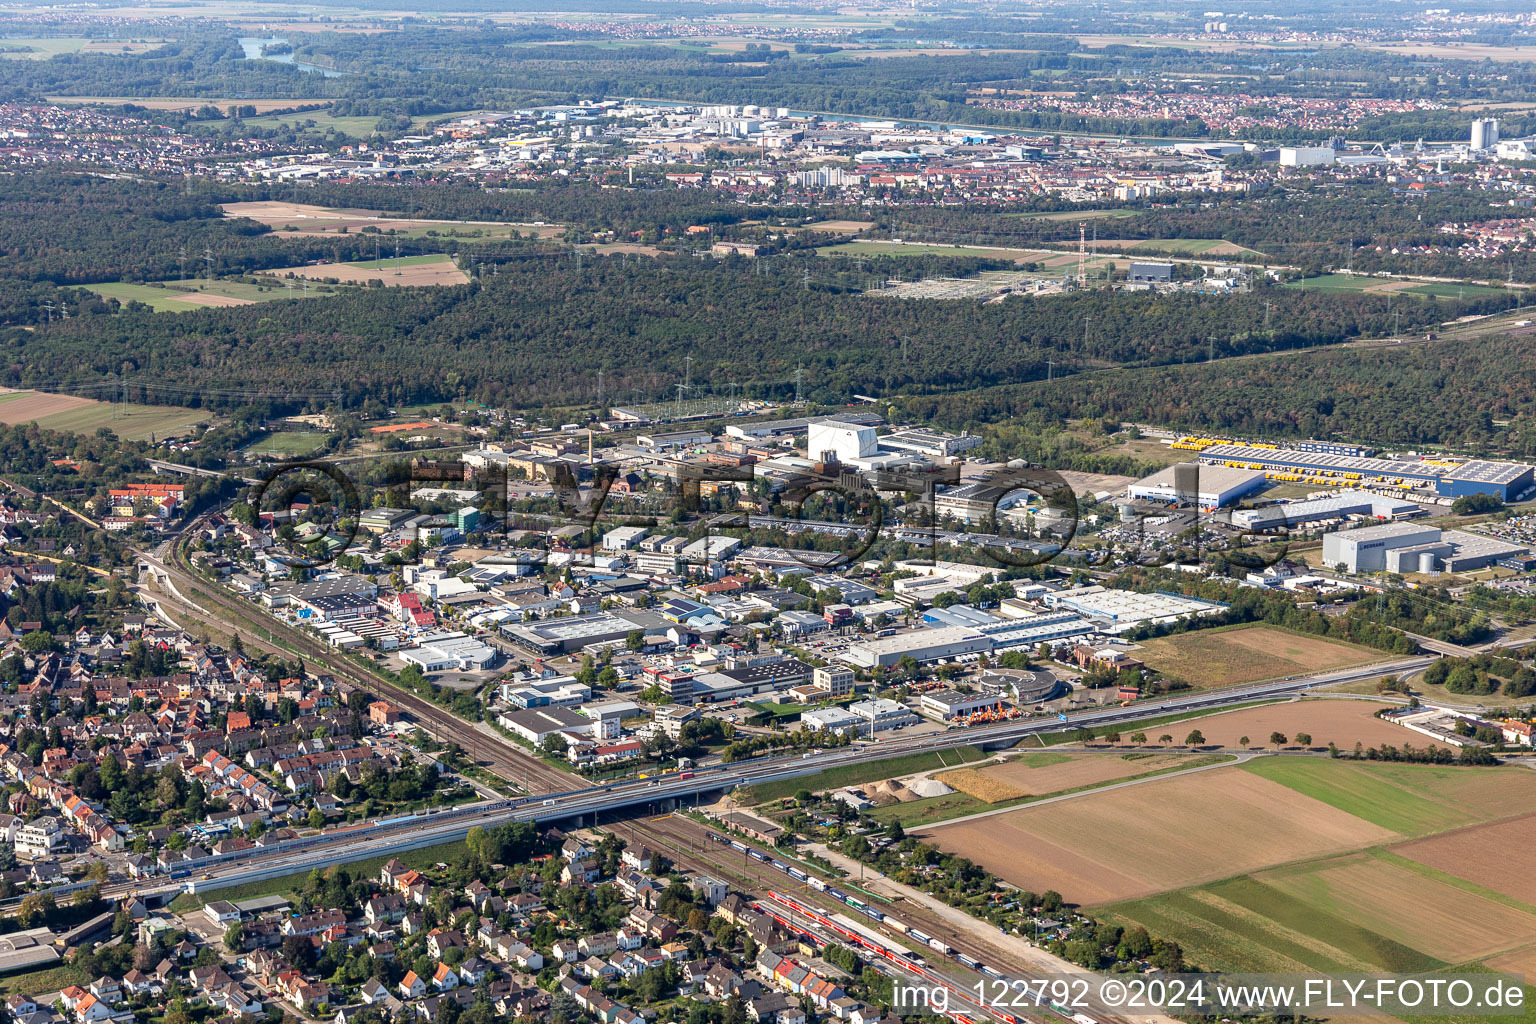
{"x": 836, "y": 441}
{"x": 1115, "y": 611}
{"x": 1365, "y": 549}
{"x": 1333, "y": 506}
{"x": 880, "y": 714}
{"x": 926, "y": 645}
{"x": 1307, "y": 156}
{"x": 623, "y": 538}
{"x": 536, "y": 724}
{"x": 451, "y": 651}
{"x": 1207, "y": 486}
{"x": 832, "y": 718}
{"x": 946, "y": 705}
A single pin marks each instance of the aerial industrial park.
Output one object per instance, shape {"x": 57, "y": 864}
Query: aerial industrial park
{"x": 766, "y": 513}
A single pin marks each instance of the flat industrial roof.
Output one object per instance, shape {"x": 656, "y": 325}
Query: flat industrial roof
{"x": 1476, "y": 470}
{"x": 1211, "y": 479}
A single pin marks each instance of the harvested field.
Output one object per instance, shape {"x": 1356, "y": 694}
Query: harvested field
{"x": 1229, "y": 657}
{"x": 84, "y": 415}
{"x": 201, "y": 299}
{"x": 841, "y": 227}
{"x": 1076, "y": 772}
{"x": 1439, "y": 919}
{"x": 22, "y": 406}
{"x": 411, "y": 271}
{"x": 1343, "y": 722}
{"x": 982, "y": 784}
{"x": 625, "y": 248}
{"x": 188, "y": 103}
{"x": 314, "y": 220}
{"x": 1521, "y": 961}
{"x": 1180, "y": 246}
{"x": 1161, "y": 835}
{"x": 1501, "y": 856}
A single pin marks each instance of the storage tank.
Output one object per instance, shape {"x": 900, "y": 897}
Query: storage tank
{"x": 1126, "y": 511}
{"x": 1426, "y": 561}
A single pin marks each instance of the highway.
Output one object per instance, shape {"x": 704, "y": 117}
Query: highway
{"x": 427, "y": 830}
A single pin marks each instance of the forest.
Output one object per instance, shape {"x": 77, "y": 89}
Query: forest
{"x": 509, "y": 338}
{"x": 1306, "y": 226}
{"x": 1477, "y": 394}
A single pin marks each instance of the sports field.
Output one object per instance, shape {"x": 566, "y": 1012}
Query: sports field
{"x": 1227, "y": 657}
{"x": 287, "y": 443}
{"x": 406, "y": 272}
{"x": 1334, "y": 283}
{"x": 85, "y": 415}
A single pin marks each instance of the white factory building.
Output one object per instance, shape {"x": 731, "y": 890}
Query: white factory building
{"x": 857, "y": 445}
{"x": 925, "y": 646}
{"x": 1409, "y": 548}
{"x": 1317, "y": 510}
{"x": 1214, "y": 486}
{"x": 451, "y": 651}
{"x": 1116, "y": 611}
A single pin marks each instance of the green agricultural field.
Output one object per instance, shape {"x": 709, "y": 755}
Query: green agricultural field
{"x": 1194, "y": 247}
{"x": 878, "y": 248}
{"x": 287, "y": 444}
{"x": 388, "y": 262}
{"x": 176, "y": 297}
{"x": 40, "y": 47}
{"x": 1335, "y": 283}
{"x": 135, "y": 423}
{"x": 1447, "y": 290}
{"x": 1245, "y": 925}
{"x": 357, "y": 127}
{"x": 1412, "y": 800}
{"x": 1076, "y": 215}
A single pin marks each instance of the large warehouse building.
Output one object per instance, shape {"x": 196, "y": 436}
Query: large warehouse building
{"x": 1446, "y": 477}
{"x": 1318, "y": 510}
{"x": 1208, "y": 486}
{"x": 1407, "y": 548}
{"x": 925, "y": 646}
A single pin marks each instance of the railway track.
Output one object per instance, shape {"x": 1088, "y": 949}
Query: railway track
{"x": 684, "y": 842}
{"x": 492, "y": 752}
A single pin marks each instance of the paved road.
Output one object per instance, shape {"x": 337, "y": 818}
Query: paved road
{"x": 660, "y": 792}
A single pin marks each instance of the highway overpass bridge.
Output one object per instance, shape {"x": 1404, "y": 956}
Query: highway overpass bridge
{"x": 667, "y": 793}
